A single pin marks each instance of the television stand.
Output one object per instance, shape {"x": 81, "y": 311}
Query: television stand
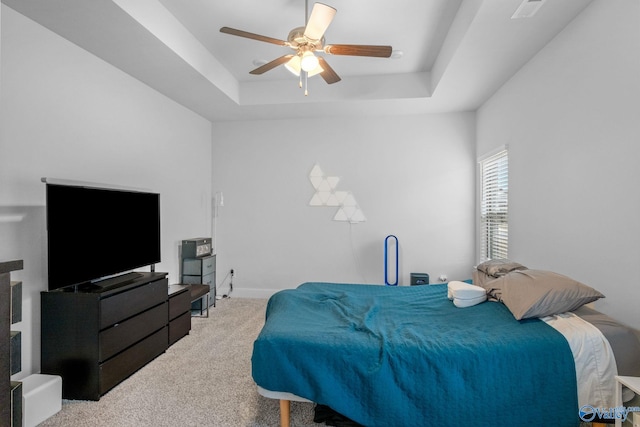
{"x": 97, "y": 337}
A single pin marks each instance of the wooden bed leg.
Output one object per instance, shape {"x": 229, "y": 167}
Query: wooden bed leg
{"x": 285, "y": 413}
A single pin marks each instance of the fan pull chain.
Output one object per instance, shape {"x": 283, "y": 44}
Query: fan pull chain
{"x": 306, "y": 91}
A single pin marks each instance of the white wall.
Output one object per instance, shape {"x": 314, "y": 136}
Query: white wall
{"x": 67, "y": 114}
{"x": 412, "y": 176}
{"x": 571, "y": 118}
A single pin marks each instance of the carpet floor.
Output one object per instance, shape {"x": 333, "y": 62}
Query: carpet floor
{"x": 202, "y": 380}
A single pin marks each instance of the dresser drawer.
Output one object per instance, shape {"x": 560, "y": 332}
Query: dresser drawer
{"x": 129, "y": 361}
{"x": 210, "y": 280}
{"x": 179, "y": 304}
{"x": 199, "y": 266}
{"x": 205, "y": 280}
{"x": 121, "y": 306}
{"x": 122, "y": 335}
{"x": 179, "y": 327}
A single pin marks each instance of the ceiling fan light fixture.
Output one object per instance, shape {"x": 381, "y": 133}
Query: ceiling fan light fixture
{"x": 315, "y": 71}
{"x": 293, "y": 65}
{"x": 309, "y": 61}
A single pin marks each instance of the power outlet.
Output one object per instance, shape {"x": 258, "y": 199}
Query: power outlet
{"x": 636, "y": 419}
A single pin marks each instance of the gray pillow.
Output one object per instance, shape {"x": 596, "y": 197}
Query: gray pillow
{"x": 480, "y": 278}
{"x": 538, "y": 293}
{"x": 499, "y": 267}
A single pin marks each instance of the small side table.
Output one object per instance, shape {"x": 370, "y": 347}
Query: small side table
{"x": 631, "y": 382}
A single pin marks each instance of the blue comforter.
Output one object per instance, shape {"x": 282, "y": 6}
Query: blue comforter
{"x": 406, "y": 356}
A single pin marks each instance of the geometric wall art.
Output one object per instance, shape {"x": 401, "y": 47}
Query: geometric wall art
{"x": 327, "y": 194}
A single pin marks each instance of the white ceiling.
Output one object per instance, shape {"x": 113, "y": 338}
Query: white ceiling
{"x": 455, "y": 53}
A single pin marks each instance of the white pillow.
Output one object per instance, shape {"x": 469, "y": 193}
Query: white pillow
{"x": 464, "y": 290}
{"x": 465, "y": 294}
{"x": 462, "y": 303}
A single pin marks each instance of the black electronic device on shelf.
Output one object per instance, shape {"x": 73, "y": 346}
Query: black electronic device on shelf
{"x": 96, "y": 232}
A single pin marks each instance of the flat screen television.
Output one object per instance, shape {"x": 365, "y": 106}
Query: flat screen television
{"x": 96, "y": 233}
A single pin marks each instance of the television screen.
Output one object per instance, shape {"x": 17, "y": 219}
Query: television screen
{"x": 95, "y": 232}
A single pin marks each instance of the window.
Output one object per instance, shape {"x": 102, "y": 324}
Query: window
{"x": 494, "y": 205}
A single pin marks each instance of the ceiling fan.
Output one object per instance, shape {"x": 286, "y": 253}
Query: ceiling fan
{"x": 307, "y": 40}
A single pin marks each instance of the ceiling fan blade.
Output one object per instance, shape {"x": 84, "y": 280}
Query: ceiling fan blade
{"x": 358, "y": 50}
{"x": 271, "y": 65}
{"x": 328, "y": 74}
{"x": 253, "y": 36}
{"x": 321, "y": 17}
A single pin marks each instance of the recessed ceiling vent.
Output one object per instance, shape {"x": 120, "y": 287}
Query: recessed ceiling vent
{"x": 528, "y": 8}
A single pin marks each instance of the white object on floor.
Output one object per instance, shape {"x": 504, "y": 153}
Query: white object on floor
{"x": 41, "y": 398}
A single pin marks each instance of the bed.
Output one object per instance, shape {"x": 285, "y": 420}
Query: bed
{"x": 407, "y": 356}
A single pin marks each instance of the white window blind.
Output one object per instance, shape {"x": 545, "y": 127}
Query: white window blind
{"x": 494, "y": 206}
